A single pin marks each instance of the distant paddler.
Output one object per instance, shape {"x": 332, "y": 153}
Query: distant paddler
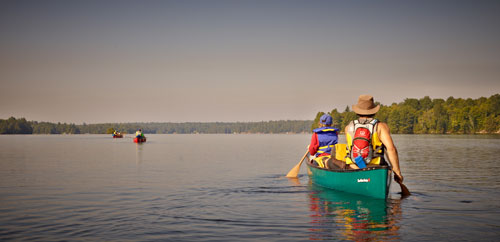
{"x": 139, "y": 134}
{"x": 117, "y": 134}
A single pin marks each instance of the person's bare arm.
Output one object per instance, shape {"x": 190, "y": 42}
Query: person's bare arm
{"x": 392, "y": 152}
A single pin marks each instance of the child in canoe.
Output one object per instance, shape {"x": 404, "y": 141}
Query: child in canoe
{"x": 323, "y": 142}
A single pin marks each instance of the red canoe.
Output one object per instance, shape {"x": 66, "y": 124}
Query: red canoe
{"x": 139, "y": 140}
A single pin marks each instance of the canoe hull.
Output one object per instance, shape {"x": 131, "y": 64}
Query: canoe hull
{"x": 139, "y": 140}
{"x": 118, "y": 136}
{"x": 373, "y": 181}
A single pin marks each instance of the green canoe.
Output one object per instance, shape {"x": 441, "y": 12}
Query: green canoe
{"x": 370, "y": 181}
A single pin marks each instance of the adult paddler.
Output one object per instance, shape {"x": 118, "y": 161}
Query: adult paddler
{"x": 368, "y": 138}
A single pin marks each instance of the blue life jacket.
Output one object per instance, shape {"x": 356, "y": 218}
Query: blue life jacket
{"x": 327, "y": 138}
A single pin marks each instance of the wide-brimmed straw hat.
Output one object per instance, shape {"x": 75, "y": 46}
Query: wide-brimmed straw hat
{"x": 365, "y": 106}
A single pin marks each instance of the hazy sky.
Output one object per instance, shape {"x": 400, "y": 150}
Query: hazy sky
{"x": 179, "y": 61}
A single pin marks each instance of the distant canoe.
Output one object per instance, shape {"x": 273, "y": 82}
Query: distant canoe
{"x": 371, "y": 181}
{"x": 117, "y": 135}
{"x": 139, "y": 140}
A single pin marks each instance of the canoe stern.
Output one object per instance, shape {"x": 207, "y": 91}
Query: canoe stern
{"x": 373, "y": 181}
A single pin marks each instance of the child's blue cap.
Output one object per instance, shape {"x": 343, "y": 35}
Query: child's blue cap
{"x": 325, "y": 119}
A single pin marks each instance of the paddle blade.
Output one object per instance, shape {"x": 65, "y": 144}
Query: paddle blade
{"x": 294, "y": 172}
{"x": 404, "y": 190}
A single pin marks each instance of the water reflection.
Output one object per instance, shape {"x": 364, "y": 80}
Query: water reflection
{"x": 138, "y": 153}
{"x": 345, "y": 216}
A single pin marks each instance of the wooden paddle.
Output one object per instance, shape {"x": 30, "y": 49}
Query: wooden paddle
{"x": 295, "y": 170}
{"x": 404, "y": 190}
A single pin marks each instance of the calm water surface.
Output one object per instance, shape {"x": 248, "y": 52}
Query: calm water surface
{"x": 232, "y": 188}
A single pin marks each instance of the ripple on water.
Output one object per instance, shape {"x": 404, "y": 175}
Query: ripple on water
{"x": 68, "y": 188}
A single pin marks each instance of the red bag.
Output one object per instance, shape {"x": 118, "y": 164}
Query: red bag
{"x": 361, "y": 143}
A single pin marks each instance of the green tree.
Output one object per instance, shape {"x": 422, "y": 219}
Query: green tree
{"x": 15, "y": 126}
{"x": 347, "y": 117}
{"x": 441, "y": 118}
{"x": 492, "y": 124}
{"x": 336, "y": 118}
{"x": 110, "y": 130}
{"x": 425, "y": 103}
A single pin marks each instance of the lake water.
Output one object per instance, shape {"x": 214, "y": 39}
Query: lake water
{"x": 232, "y": 188}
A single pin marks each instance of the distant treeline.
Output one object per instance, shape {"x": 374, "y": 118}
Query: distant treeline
{"x": 21, "y": 126}
{"x": 412, "y": 116}
{"x": 433, "y": 116}
{"x": 266, "y": 127}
